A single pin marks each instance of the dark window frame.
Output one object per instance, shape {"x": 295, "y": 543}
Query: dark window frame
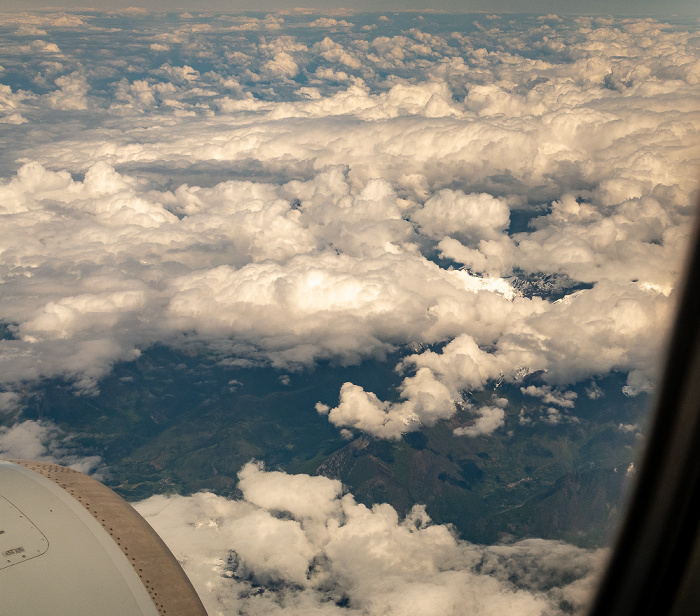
{"x": 655, "y": 566}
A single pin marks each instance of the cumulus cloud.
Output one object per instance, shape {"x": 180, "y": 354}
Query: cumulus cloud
{"x": 452, "y": 213}
{"x": 297, "y": 544}
{"x": 577, "y": 347}
{"x": 334, "y": 52}
{"x": 329, "y": 22}
{"x": 492, "y": 257}
{"x": 45, "y": 442}
{"x": 434, "y": 392}
{"x": 564, "y": 399}
{"x": 489, "y": 419}
{"x": 348, "y": 194}
{"x": 10, "y": 401}
{"x": 40, "y": 46}
{"x": 72, "y": 93}
{"x": 13, "y": 118}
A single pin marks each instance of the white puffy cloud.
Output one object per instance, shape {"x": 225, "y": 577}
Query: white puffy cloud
{"x": 283, "y": 64}
{"x": 10, "y": 401}
{"x": 25, "y": 440}
{"x": 452, "y": 213}
{"x": 283, "y": 54}
{"x": 331, "y": 555}
{"x": 564, "y": 399}
{"x": 334, "y": 52}
{"x": 180, "y": 74}
{"x": 587, "y": 333}
{"x": 72, "y": 93}
{"x": 433, "y": 393}
{"x": 492, "y": 257}
{"x": 45, "y": 442}
{"x": 489, "y": 419}
{"x": 13, "y": 118}
{"x": 240, "y": 250}
{"x": 300, "y": 495}
{"x": 288, "y": 221}
{"x": 11, "y": 103}
{"x": 330, "y": 22}
{"x": 248, "y": 22}
{"x": 40, "y": 46}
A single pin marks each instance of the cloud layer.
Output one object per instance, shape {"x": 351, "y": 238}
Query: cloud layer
{"x": 357, "y": 157}
{"x": 295, "y": 544}
{"x": 489, "y": 199}
{"x": 46, "y": 442}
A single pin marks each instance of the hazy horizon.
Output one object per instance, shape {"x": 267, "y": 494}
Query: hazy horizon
{"x": 683, "y": 8}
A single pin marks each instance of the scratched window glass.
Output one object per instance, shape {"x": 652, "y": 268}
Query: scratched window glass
{"x": 363, "y": 312}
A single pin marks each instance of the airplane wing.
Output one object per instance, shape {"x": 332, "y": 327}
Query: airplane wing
{"x": 70, "y": 546}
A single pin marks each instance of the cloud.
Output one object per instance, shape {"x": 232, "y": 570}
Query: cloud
{"x": 433, "y": 393}
{"x": 297, "y": 544}
{"x": 454, "y": 214}
{"x": 564, "y": 399}
{"x": 13, "y": 118}
{"x": 300, "y": 495}
{"x": 72, "y": 94}
{"x": 45, "y": 442}
{"x": 284, "y": 211}
{"x": 578, "y": 346}
{"x": 10, "y": 402}
{"x": 489, "y": 419}
{"x": 329, "y": 22}
{"x": 492, "y": 257}
{"x": 39, "y": 46}
{"x": 334, "y": 52}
